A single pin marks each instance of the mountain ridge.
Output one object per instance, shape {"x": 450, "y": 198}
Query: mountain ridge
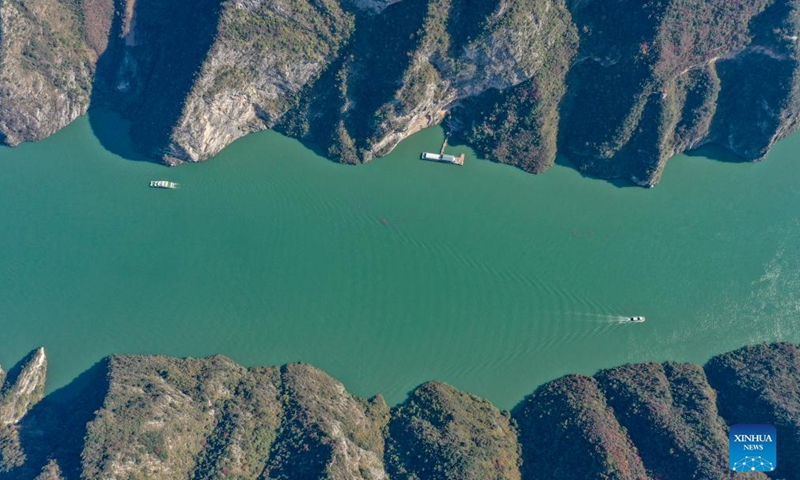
{"x": 156, "y": 417}
{"x": 617, "y": 87}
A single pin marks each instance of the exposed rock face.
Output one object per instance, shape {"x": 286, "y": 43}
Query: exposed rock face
{"x": 327, "y": 433}
{"x": 50, "y": 472}
{"x": 407, "y": 67}
{"x": 23, "y": 389}
{"x": 264, "y": 53}
{"x": 373, "y": 6}
{"x": 137, "y": 417}
{"x": 619, "y": 86}
{"x": 46, "y": 67}
{"x": 166, "y": 418}
{"x": 20, "y": 390}
{"x": 157, "y": 415}
{"x": 678, "y": 75}
{"x": 195, "y": 76}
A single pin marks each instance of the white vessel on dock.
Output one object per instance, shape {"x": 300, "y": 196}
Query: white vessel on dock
{"x": 436, "y": 157}
{"x": 163, "y": 184}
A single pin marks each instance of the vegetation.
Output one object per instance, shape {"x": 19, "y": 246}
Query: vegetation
{"x": 520, "y": 79}
{"x": 326, "y": 433}
{"x": 46, "y": 67}
{"x": 640, "y": 94}
{"x": 138, "y": 417}
{"x": 670, "y": 414}
{"x": 761, "y": 384}
{"x": 157, "y": 415}
{"x": 519, "y": 125}
{"x": 240, "y": 443}
{"x": 341, "y": 111}
{"x": 568, "y": 431}
{"x": 440, "y": 433}
{"x": 11, "y": 454}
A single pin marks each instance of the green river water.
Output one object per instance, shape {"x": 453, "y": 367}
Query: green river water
{"x": 392, "y": 273}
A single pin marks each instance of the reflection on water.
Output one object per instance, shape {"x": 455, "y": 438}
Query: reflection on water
{"x": 393, "y": 273}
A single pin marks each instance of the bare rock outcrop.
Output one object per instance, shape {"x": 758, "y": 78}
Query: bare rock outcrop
{"x": 161, "y": 418}
{"x": 24, "y": 388}
{"x": 618, "y": 87}
{"x": 46, "y": 68}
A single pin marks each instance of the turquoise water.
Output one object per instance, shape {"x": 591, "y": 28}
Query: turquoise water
{"x": 392, "y": 273}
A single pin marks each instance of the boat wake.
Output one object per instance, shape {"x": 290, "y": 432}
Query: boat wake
{"x": 603, "y": 318}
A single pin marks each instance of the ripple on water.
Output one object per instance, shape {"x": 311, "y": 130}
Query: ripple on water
{"x": 393, "y": 273}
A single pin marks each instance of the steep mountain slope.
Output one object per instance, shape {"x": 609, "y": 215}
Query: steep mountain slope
{"x": 48, "y": 53}
{"x": 137, "y": 417}
{"x": 583, "y": 439}
{"x": 762, "y": 382}
{"x": 441, "y": 433}
{"x": 680, "y": 74}
{"x": 619, "y": 87}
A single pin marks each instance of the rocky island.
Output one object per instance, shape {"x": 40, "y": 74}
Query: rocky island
{"x": 153, "y": 417}
{"x": 617, "y": 87}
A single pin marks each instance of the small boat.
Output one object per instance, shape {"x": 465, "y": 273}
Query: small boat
{"x": 163, "y": 184}
{"x": 636, "y": 319}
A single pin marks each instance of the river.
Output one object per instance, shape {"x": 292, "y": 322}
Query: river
{"x": 393, "y": 273}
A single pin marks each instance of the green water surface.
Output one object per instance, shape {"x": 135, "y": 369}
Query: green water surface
{"x": 392, "y": 273}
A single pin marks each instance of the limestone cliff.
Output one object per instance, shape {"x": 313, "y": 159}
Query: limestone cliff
{"x": 47, "y": 63}
{"x": 139, "y": 417}
{"x": 680, "y": 74}
{"x": 206, "y": 418}
{"x": 20, "y": 390}
{"x": 406, "y": 68}
{"x": 264, "y": 53}
{"x": 23, "y": 388}
{"x": 618, "y": 87}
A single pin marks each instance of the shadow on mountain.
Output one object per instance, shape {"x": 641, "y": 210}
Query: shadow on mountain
{"x": 147, "y": 72}
{"x": 619, "y": 182}
{"x": 13, "y": 374}
{"x": 114, "y": 134}
{"x": 717, "y": 153}
{"x": 338, "y": 115}
{"x": 54, "y": 429}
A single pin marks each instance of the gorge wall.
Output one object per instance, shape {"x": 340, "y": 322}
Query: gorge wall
{"x": 618, "y": 87}
{"x": 152, "y": 417}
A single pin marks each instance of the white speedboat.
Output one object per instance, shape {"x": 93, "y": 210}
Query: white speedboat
{"x": 636, "y": 319}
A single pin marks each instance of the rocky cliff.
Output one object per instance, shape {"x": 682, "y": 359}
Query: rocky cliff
{"x": 676, "y": 75}
{"x": 618, "y": 87}
{"x": 47, "y": 63}
{"x": 139, "y": 417}
{"x": 20, "y": 390}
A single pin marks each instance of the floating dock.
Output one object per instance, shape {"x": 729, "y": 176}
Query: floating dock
{"x": 443, "y": 157}
{"x": 438, "y": 157}
{"x": 163, "y": 184}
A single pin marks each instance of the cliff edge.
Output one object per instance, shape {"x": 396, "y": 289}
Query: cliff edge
{"x": 154, "y": 417}
{"x": 618, "y": 87}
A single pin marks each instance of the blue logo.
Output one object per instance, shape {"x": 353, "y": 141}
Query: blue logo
{"x": 753, "y": 448}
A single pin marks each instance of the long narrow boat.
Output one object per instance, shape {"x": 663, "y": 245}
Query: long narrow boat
{"x": 163, "y": 184}
{"x": 440, "y": 157}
